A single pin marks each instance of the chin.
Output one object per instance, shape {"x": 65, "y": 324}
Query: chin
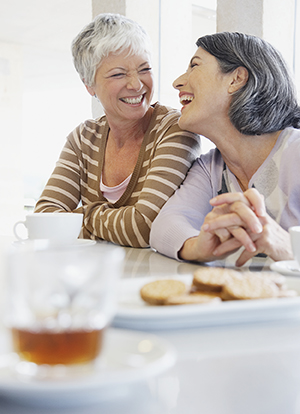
{"x": 185, "y": 125}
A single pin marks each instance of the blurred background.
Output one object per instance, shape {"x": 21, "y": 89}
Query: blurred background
{"x": 42, "y": 98}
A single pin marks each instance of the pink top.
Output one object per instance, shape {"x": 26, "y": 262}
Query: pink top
{"x": 112, "y": 194}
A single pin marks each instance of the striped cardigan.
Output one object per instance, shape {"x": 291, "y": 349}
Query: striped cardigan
{"x": 165, "y": 156}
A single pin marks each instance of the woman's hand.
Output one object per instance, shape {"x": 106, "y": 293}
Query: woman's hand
{"x": 220, "y": 225}
{"x": 235, "y": 215}
{"x": 273, "y": 241}
{"x": 238, "y": 219}
{"x": 247, "y": 224}
{"x": 202, "y": 247}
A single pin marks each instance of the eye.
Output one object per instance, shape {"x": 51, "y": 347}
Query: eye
{"x": 118, "y": 75}
{"x": 145, "y": 70}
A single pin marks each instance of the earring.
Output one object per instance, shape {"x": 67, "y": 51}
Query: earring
{"x": 96, "y": 97}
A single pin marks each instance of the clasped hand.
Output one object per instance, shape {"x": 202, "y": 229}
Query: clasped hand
{"x": 236, "y": 220}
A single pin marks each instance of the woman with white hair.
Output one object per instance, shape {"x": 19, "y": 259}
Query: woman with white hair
{"x": 244, "y": 193}
{"x": 120, "y": 169}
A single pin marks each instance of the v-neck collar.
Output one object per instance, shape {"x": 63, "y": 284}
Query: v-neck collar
{"x": 136, "y": 172}
{"x": 229, "y": 180}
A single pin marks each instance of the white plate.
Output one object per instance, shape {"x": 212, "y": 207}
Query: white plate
{"x": 127, "y": 357}
{"x": 76, "y": 243}
{"x": 134, "y": 313}
{"x": 286, "y": 268}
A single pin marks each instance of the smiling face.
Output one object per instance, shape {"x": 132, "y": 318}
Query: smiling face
{"x": 204, "y": 93}
{"x": 124, "y": 86}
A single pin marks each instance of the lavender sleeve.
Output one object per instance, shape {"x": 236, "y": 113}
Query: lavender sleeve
{"x": 277, "y": 179}
{"x": 182, "y": 216}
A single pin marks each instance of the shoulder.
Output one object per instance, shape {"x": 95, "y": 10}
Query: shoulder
{"x": 164, "y": 116}
{"x": 164, "y": 110}
{"x": 210, "y": 164}
{"x": 290, "y": 135}
{"x": 164, "y": 124}
{"x": 211, "y": 160}
{"x": 90, "y": 131}
{"x": 288, "y": 144}
{"x": 94, "y": 126}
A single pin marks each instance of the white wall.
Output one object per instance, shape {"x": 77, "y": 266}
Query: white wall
{"x": 41, "y": 96}
{"x": 11, "y": 89}
{"x": 54, "y": 102}
{"x": 273, "y": 20}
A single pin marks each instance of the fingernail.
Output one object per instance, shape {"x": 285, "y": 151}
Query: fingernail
{"x": 205, "y": 227}
{"x": 257, "y": 228}
{"x": 260, "y": 212}
{"x": 252, "y": 248}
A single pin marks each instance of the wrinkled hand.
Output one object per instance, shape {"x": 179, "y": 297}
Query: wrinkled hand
{"x": 232, "y": 214}
{"x": 240, "y": 219}
{"x": 236, "y": 220}
{"x": 235, "y": 215}
{"x": 273, "y": 241}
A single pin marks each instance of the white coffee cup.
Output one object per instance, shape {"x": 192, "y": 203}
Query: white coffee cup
{"x": 57, "y": 227}
{"x": 295, "y": 240}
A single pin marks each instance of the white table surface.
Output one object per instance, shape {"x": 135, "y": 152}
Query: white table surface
{"x": 238, "y": 369}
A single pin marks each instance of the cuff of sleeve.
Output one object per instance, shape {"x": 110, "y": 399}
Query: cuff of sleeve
{"x": 171, "y": 241}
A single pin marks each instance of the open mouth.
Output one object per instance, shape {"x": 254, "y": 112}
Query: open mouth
{"x": 134, "y": 100}
{"x": 186, "y": 99}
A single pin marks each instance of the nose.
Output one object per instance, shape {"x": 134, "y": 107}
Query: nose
{"x": 180, "y": 81}
{"x": 134, "y": 82}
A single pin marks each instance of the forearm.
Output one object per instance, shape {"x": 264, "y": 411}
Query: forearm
{"x": 63, "y": 189}
{"x": 124, "y": 225}
{"x": 164, "y": 168}
{"x": 61, "y": 192}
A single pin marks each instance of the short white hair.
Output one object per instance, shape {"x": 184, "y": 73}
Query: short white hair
{"x": 107, "y": 33}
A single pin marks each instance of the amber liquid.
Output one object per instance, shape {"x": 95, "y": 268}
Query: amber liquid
{"x": 69, "y": 347}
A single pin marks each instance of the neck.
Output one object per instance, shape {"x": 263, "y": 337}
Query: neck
{"x": 244, "y": 154}
{"x": 129, "y": 131}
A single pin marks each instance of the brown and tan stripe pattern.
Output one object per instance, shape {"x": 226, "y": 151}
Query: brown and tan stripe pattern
{"x": 166, "y": 155}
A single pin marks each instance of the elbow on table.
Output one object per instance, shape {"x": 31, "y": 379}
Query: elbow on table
{"x": 156, "y": 234}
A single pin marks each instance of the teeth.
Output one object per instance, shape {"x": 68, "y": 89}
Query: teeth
{"x": 136, "y": 100}
{"x": 184, "y": 99}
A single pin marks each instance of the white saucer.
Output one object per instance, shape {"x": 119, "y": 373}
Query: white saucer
{"x": 127, "y": 357}
{"x": 286, "y": 267}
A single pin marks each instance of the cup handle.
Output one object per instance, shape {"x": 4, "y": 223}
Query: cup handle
{"x": 17, "y": 224}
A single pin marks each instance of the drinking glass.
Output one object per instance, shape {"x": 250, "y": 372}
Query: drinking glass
{"x": 61, "y": 300}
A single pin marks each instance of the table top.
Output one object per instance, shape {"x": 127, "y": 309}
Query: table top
{"x": 222, "y": 369}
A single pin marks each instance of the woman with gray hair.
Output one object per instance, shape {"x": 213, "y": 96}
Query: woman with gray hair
{"x": 120, "y": 169}
{"x": 244, "y": 194}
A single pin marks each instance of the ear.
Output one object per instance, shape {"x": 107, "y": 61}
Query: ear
{"x": 90, "y": 90}
{"x": 239, "y": 79}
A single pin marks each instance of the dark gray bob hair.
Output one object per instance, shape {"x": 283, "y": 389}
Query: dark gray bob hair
{"x": 268, "y": 102}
